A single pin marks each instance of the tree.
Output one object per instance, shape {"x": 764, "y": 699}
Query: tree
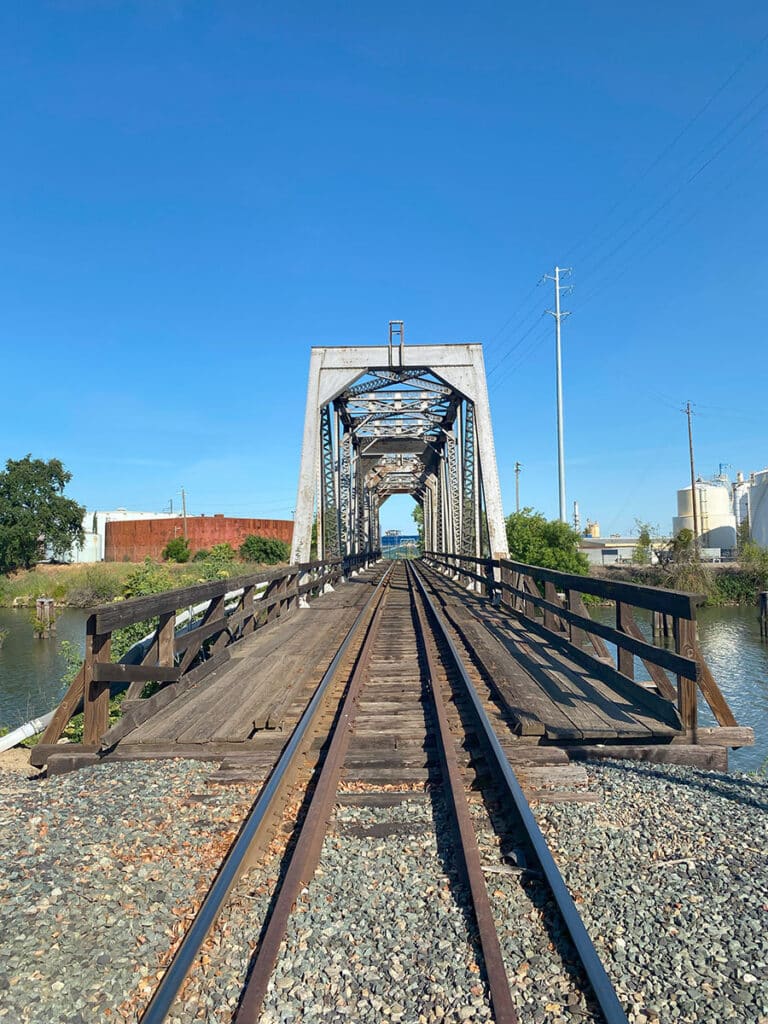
{"x": 743, "y": 532}
{"x": 550, "y": 544}
{"x": 642, "y": 553}
{"x": 177, "y": 550}
{"x": 418, "y": 518}
{"x": 683, "y": 548}
{"x": 265, "y": 550}
{"x": 34, "y": 514}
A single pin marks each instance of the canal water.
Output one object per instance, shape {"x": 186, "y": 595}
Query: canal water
{"x": 31, "y": 670}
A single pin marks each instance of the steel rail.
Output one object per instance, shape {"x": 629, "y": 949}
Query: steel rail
{"x": 498, "y": 983}
{"x": 307, "y": 851}
{"x": 593, "y": 967}
{"x": 168, "y": 988}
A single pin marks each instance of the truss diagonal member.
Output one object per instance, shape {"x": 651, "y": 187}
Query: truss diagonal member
{"x": 469, "y": 482}
{"x": 330, "y": 516}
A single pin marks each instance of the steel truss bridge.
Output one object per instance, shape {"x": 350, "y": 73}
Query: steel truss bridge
{"x": 392, "y": 419}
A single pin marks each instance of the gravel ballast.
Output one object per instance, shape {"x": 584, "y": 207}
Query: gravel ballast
{"x": 101, "y": 868}
{"x": 669, "y": 871}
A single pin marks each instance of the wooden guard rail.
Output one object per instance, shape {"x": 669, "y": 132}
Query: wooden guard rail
{"x": 186, "y": 657}
{"x": 532, "y": 593}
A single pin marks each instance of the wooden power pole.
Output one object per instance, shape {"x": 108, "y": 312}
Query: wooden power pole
{"x": 688, "y": 412}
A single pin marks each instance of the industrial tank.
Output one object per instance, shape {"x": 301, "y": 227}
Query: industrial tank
{"x": 717, "y": 522}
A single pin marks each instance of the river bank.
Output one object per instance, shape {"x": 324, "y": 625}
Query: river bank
{"x": 86, "y": 586}
{"x": 721, "y": 584}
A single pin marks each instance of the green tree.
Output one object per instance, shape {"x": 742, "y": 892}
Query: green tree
{"x": 418, "y": 518}
{"x": 265, "y": 550}
{"x": 34, "y": 512}
{"x": 148, "y": 578}
{"x": 550, "y": 544}
{"x": 177, "y": 550}
{"x": 645, "y": 535}
{"x": 683, "y": 548}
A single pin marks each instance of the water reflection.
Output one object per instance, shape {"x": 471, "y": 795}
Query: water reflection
{"x": 738, "y": 658}
{"x": 30, "y": 669}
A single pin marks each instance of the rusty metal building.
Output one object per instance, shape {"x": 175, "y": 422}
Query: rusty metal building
{"x": 133, "y": 540}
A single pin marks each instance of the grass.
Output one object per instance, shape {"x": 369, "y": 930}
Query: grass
{"x": 85, "y": 586}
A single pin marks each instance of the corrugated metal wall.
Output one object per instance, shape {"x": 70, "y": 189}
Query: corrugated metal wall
{"x": 132, "y": 540}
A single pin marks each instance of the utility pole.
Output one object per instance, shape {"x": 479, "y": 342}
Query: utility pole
{"x": 558, "y": 315}
{"x": 688, "y": 412}
{"x": 518, "y": 467}
{"x": 184, "y": 510}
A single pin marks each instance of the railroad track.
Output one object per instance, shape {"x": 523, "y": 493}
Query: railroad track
{"x": 397, "y": 761}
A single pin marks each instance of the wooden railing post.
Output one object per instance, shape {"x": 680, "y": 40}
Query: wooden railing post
{"x": 625, "y": 660}
{"x": 576, "y": 633}
{"x": 685, "y": 644}
{"x": 248, "y": 608}
{"x": 95, "y": 695}
{"x": 550, "y": 594}
{"x": 490, "y": 582}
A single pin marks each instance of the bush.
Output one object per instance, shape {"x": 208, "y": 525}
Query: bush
{"x": 177, "y": 550}
{"x": 99, "y": 586}
{"x": 265, "y": 550}
{"x": 552, "y": 545}
{"x": 149, "y": 578}
{"x": 201, "y": 555}
{"x": 220, "y": 562}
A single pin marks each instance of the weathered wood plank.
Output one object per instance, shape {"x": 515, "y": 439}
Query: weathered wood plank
{"x": 656, "y": 672}
{"x": 712, "y": 692}
{"x": 695, "y": 755}
{"x": 66, "y": 709}
{"x": 654, "y": 598}
{"x": 145, "y": 709}
{"x": 116, "y": 672}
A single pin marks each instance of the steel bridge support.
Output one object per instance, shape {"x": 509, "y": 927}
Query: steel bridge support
{"x": 385, "y": 420}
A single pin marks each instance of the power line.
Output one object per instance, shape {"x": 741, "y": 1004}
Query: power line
{"x": 516, "y": 345}
{"x": 666, "y": 231}
{"x": 681, "y": 188}
{"x": 512, "y": 315}
{"x": 671, "y": 145}
{"x": 535, "y": 343}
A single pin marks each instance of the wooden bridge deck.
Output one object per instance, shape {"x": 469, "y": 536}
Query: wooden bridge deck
{"x": 261, "y": 692}
{"x": 547, "y": 693}
{"x": 551, "y": 694}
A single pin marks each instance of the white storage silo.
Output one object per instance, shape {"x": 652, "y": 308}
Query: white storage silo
{"x": 716, "y": 521}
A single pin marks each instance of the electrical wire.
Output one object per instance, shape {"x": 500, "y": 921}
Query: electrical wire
{"x": 670, "y": 146}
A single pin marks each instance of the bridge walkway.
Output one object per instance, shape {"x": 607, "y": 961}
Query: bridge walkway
{"x": 546, "y": 692}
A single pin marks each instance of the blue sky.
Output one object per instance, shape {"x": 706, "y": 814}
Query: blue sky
{"x": 193, "y": 193}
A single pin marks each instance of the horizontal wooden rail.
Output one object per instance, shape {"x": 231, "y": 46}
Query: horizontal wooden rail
{"x": 226, "y": 611}
{"x": 518, "y": 586}
{"x": 671, "y": 602}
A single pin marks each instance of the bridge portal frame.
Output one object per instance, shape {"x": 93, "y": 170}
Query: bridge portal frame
{"x": 332, "y": 369}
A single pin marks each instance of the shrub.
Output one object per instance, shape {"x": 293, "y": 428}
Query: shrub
{"x": 220, "y": 562}
{"x": 201, "y": 555}
{"x": 177, "y": 550}
{"x": 265, "y": 550}
{"x": 149, "y": 578}
{"x": 552, "y": 545}
{"x": 98, "y": 586}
